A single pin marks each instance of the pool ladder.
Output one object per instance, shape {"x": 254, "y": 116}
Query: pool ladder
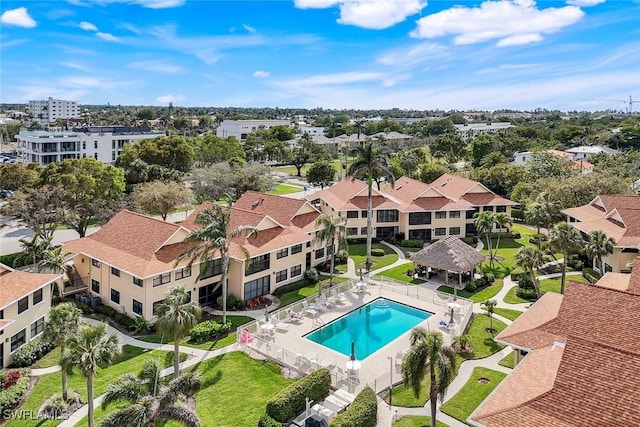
{"x": 382, "y": 303}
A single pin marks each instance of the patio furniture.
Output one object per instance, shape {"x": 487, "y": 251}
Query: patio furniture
{"x": 328, "y": 362}
{"x": 344, "y": 395}
{"x": 334, "y": 403}
{"x": 338, "y": 297}
{"x": 308, "y": 310}
{"x": 292, "y": 316}
{"x": 399, "y": 359}
{"x": 246, "y": 337}
{"x": 327, "y": 302}
{"x": 324, "y": 412}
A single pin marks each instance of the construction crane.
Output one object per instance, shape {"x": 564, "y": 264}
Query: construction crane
{"x": 629, "y": 102}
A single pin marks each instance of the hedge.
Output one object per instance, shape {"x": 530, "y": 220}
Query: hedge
{"x": 209, "y": 330}
{"x": 290, "y": 401}
{"x": 290, "y": 287}
{"x": 363, "y": 412}
{"x": 30, "y": 352}
{"x": 591, "y": 275}
{"x": 378, "y": 252}
{"x": 11, "y": 396}
{"x": 267, "y": 421}
{"x": 10, "y": 258}
{"x": 361, "y": 240}
{"x": 412, "y": 244}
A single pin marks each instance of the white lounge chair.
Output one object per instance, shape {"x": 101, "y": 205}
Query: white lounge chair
{"x": 328, "y": 362}
{"x": 344, "y": 395}
{"x": 323, "y": 412}
{"x": 339, "y": 298}
{"x": 334, "y": 403}
{"x": 308, "y": 310}
{"x": 328, "y": 302}
{"x": 293, "y": 316}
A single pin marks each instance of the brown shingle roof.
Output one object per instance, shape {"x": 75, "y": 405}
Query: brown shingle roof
{"x": 16, "y": 284}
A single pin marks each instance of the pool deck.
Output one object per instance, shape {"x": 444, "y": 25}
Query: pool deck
{"x": 375, "y": 366}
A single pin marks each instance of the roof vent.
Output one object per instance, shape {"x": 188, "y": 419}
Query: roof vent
{"x": 256, "y": 203}
{"x": 443, "y": 184}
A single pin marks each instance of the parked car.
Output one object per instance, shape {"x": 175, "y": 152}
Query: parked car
{"x": 5, "y": 194}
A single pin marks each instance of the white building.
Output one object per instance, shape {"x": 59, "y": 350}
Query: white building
{"x": 471, "y": 130}
{"x": 241, "y": 128}
{"x": 48, "y": 110}
{"x": 103, "y": 143}
{"x": 581, "y": 153}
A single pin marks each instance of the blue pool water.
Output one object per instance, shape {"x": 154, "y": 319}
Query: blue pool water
{"x": 370, "y": 327}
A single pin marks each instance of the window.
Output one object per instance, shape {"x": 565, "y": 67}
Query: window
{"x": 257, "y": 264}
{"x": 136, "y": 307}
{"x": 37, "y": 327}
{"x": 470, "y": 214}
{"x": 387, "y": 215}
{"x": 183, "y": 272}
{"x": 282, "y": 253}
{"x": 95, "y": 263}
{"x": 281, "y": 276}
{"x": 37, "y": 297}
{"x": 137, "y": 281}
{"x": 296, "y": 270}
{"x": 95, "y": 145}
{"x": 84, "y": 145}
{"x": 363, "y": 231}
{"x": 454, "y": 231}
{"x": 352, "y": 231}
{"x": 115, "y": 271}
{"x": 18, "y": 340}
{"x": 256, "y": 288}
{"x": 156, "y": 304}
{"x": 1, "y": 316}
{"x": 296, "y": 249}
{"x": 319, "y": 253}
{"x": 441, "y": 231}
{"x": 607, "y": 268}
{"x": 23, "y": 305}
{"x": 487, "y": 209}
{"x": 454, "y": 214}
{"x": 352, "y": 214}
{"x": 364, "y": 213}
{"x": 95, "y": 286}
{"x": 161, "y": 279}
{"x": 419, "y": 218}
{"x": 115, "y": 296}
{"x": 211, "y": 268}
{"x": 441, "y": 215}
{"x": 501, "y": 209}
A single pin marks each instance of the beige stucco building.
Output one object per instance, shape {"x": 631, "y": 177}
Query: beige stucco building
{"x": 418, "y": 211}
{"x": 25, "y": 302}
{"x": 132, "y": 261}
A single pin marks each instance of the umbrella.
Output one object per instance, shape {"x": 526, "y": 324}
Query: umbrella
{"x": 353, "y": 351}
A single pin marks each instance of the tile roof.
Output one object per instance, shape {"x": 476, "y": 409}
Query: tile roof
{"x": 487, "y": 199}
{"x": 16, "y": 284}
{"x": 339, "y": 194}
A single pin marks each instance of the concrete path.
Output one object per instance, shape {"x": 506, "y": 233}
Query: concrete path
{"x": 45, "y": 371}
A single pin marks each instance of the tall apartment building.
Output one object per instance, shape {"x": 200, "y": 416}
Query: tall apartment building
{"x": 48, "y": 110}
{"x": 241, "y": 128}
{"x": 103, "y": 143}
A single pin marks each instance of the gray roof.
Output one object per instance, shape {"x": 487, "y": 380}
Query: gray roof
{"x": 451, "y": 254}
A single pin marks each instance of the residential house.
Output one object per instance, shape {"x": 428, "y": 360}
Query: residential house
{"x": 242, "y": 128}
{"x": 583, "y": 151}
{"x": 619, "y": 218}
{"x": 579, "y": 360}
{"x": 419, "y": 211}
{"x": 575, "y": 162}
{"x": 25, "y": 302}
{"x": 132, "y": 261}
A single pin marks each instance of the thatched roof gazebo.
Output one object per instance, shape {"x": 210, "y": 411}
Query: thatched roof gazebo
{"x": 450, "y": 254}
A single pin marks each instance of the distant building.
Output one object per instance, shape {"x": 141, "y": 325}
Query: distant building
{"x": 577, "y": 164}
{"x": 103, "y": 143}
{"x": 471, "y": 130}
{"x": 241, "y": 128}
{"x": 581, "y": 153}
{"x": 48, "y": 110}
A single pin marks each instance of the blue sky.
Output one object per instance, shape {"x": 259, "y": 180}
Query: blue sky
{"x": 409, "y": 54}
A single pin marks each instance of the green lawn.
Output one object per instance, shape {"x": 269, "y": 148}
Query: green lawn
{"x": 478, "y": 296}
{"x": 358, "y": 252}
{"x": 553, "y": 285}
{"x": 508, "y": 313}
{"x": 403, "y": 395}
{"x": 472, "y": 393}
{"x": 400, "y": 273}
{"x": 507, "y": 251}
{"x": 131, "y": 360}
{"x": 283, "y": 188}
{"x": 512, "y": 298}
{"x": 509, "y": 361}
{"x": 291, "y": 170}
{"x": 307, "y": 291}
{"x": 417, "y": 421}
{"x": 50, "y": 359}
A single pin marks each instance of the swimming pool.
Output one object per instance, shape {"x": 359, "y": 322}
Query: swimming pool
{"x": 370, "y": 327}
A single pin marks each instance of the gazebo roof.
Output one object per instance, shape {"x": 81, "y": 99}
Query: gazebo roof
{"x": 451, "y": 254}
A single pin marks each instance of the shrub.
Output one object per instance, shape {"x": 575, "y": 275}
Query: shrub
{"x": 342, "y": 256}
{"x": 30, "y": 352}
{"x": 209, "y": 330}
{"x": 311, "y": 276}
{"x": 412, "y": 244}
{"x": 290, "y": 287}
{"x": 517, "y": 214}
{"x": 240, "y": 305}
{"x": 291, "y": 400}
{"x": 528, "y": 294}
{"x": 106, "y": 310}
{"x": 591, "y": 275}
{"x": 517, "y": 274}
{"x": 363, "y": 412}
{"x": 11, "y": 396}
{"x": 361, "y": 240}
{"x": 55, "y": 406}
{"x": 378, "y": 252}
{"x": 471, "y": 286}
{"x": 471, "y": 240}
{"x": 525, "y": 282}
{"x": 11, "y": 378}
{"x": 575, "y": 263}
{"x": 232, "y": 301}
{"x": 267, "y": 421}
{"x": 490, "y": 278}
{"x": 507, "y": 235}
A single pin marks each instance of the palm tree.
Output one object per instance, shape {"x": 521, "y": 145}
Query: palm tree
{"x": 52, "y": 260}
{"x": 567, "y": 239}
{"x": 427, "y": 353}
{"x": 535, "y": 213}
{"x": 484, "y": 224}
{"x": 599, "y": 245}
{"x": 151, "y": 398}
{"x": 502, "y": 220}
{"x": 176, "y": 317}
{"x": 214, "y": 235}
{"x": 89, "y": 349}
{"x": 63, "y": 322}
{"x": 333, "y": 231}
{"x": 32, "y": 250}
{"x": 370, "y": 164}
{"x": 530, "y": 258}
{"x": 490, "y": 305}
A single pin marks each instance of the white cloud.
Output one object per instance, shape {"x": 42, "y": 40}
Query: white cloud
{"x": 80, "y": 82}
{"x": 511, "y": 22}
{"x": 107, "y": 37}
{"x": 88, "y": 26}
{"x": 75, "y": 66}
{"x": 249, "y": 28}
{"x": 18, "y": 17}
{"x": 372, "y": 14}
{"x": 150, "y": 4}
{"x": 414, "y": 55}
{"x": 261, "y": 74}
{"x": 166, "y": 99}
{"x": 584, "y": 3}
{"x": 159, "y": 66}
{"x": 336, "y": 79}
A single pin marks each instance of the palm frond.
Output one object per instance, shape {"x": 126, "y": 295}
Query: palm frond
{"x": 180, "y": 414}
{"x": 126, "y": 388}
